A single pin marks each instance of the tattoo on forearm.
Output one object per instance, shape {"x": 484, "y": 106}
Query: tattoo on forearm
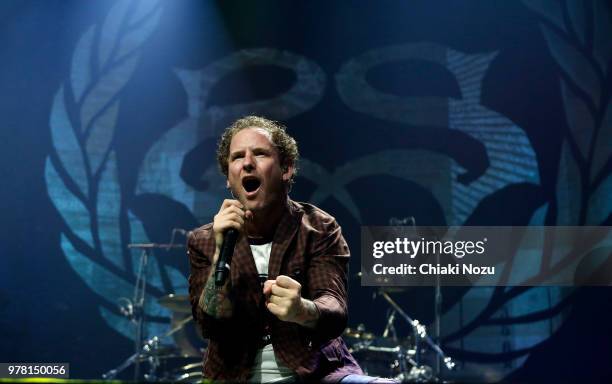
{"x": 309, "y": 315}
{"x": 215, "y": 301}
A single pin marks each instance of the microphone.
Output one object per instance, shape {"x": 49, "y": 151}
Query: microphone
{"x": 225, "y": 256}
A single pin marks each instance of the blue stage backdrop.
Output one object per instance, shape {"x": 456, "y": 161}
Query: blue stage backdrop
{"x": 454, "y": 113}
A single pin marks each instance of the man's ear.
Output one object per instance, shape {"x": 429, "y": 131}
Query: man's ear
{"x": 288, "y": 172}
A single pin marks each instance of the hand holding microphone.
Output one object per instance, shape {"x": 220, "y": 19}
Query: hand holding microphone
{"x": 227, "y": 225}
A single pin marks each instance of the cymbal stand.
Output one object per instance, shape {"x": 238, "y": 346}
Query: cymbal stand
{"x": 437, "y": 312}
{"x": 140, "y": 288}
{"x": 390, "y": 327}
{"x": 135, "y": 312}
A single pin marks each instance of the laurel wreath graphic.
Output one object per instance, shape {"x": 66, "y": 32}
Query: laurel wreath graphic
{"x": 583, "y": 55}
{"x": 81, "y": 171}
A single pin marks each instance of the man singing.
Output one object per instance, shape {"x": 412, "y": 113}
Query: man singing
{"x": 281, "y": 312}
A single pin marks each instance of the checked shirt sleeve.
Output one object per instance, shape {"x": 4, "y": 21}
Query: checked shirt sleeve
{"x": 327, "y": 278}
{"x": 200, "y": 249}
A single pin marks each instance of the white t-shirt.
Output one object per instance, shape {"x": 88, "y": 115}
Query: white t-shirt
{"x": 261, "y": 255}
{"x": 267, "y": 368}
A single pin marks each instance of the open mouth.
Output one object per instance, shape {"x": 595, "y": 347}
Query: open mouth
{"x": 250, "y": 184}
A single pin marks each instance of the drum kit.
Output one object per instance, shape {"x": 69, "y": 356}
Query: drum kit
{"x": 401, "y": 359}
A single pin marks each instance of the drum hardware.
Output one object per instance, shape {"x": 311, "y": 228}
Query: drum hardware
{"x": 156, "y": 356}
{"x": 435, "y": 234}
{"x": 389, "y": 326}
{"x": 400, "y": 360}
{"x": 150, "y": 351}
{"x": 418, "y": 372}
{"x": 138, "y": 303}
{"x": 379, "y": 356}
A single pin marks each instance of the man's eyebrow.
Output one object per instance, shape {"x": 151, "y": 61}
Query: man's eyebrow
{"x": 238, "y": 152}
{"x": 253, "y": 149}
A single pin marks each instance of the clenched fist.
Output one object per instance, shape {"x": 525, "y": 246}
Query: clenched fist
{"x": 284, "y": 300}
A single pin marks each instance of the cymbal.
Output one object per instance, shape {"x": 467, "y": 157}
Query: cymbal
{"x": 175, "y": 303}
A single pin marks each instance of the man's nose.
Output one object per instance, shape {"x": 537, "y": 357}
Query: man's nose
{"x": 248, "y": 164}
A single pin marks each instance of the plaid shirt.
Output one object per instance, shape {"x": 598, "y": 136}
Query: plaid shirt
{"x": 307, "y": 246}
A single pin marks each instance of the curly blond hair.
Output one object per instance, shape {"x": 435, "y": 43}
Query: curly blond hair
{"x": 285, "y": 144}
